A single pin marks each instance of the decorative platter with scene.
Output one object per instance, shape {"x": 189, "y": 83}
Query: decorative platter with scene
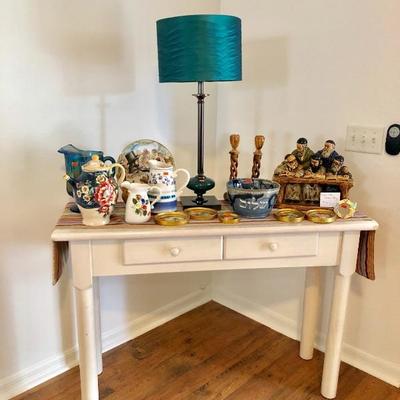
{"x": 135, "y": 159}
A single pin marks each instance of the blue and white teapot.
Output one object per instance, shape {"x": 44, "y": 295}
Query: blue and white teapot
{"x": 163, "y": 176}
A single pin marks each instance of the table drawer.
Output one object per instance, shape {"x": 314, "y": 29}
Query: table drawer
{"x": 147, "y": 251}
{"x": 271, "y": 246}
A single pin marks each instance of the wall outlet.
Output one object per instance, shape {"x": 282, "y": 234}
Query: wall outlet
{"x": 364, "y": 139}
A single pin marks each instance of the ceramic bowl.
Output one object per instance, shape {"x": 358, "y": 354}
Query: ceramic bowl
{"x": 252, "y": 198}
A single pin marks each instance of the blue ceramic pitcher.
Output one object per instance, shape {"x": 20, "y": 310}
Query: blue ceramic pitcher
{"x": 74, "y": 159}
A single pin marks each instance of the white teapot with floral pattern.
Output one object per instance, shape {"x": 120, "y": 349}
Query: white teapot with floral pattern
{"x": 138, "y": 206}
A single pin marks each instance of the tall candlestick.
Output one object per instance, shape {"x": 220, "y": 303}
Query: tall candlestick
{"x": 259, "y": 142}
{"x": 234, "y": 139}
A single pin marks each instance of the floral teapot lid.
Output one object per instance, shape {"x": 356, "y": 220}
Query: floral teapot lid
{"x": 95, "y": 165}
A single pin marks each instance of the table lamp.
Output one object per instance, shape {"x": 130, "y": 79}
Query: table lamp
{"x": 199, "y": 48}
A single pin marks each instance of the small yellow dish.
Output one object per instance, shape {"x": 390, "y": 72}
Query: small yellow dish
{"x": 171, "y": 218}
{"x": 201, "y": 213}
{"x": 321, "y": 216}
{"x": 289, "y": 215}
{"x": 228, "y": 217}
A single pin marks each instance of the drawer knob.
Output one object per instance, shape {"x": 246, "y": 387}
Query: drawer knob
{"x": 175, "y": 251}
{"x": 273, "y": 246}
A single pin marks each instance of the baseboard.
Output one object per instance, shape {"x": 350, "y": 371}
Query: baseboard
{"x": 53, "y": 366}
{"x": 382, "y": 369}
{"x": 375, "y": 366}
{"x": 156, "y": 318}
{"x": 258, "y": 313}
{"x": 37, "y": 374}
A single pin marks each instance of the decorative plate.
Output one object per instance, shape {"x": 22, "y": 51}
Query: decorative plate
{"x": 321, "y": 216}
{"x": 201, "y": 213}
{"x": 289, "y": 215}
{"x": 171, "y": 218}
{"x": 135, "y": 159}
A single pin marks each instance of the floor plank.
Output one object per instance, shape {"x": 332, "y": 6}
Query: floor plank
{"x": 213, "y": 353}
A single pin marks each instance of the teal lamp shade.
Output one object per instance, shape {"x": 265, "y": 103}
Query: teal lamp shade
{"x": 199, "y": 48}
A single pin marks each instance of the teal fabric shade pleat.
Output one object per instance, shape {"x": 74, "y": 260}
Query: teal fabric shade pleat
{"x": 195, "y": 48}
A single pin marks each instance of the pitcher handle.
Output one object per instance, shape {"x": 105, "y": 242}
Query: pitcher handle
{"x": 186, "y": 172}
{"x": 155, "y": 189}
{"x": 109, "y": 158}
{"x": 121, "y": 177}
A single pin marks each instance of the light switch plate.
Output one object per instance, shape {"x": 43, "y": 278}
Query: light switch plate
{"x": 364, "y": 139}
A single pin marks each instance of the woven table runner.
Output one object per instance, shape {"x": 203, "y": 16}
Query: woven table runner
{"x": 69, "y": 218}
{"x": 365, "y": 259}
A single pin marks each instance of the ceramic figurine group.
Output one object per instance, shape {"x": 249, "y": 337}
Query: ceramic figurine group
{"x": 324, "y": 164}
{"x": 312, "y": 171}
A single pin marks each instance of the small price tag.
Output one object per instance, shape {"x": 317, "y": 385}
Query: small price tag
{"x": 329, "y": 199}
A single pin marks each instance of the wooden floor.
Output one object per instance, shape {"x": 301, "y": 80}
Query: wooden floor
{"x": 208, "y": 353}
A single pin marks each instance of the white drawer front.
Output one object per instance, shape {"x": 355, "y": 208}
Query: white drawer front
{"x": 271, "y": 246}
{"x": 146, "y": 251}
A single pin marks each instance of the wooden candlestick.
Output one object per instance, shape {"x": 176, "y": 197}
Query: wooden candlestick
{"x": 234, "y": 139}
{"x": 259, "y": 142}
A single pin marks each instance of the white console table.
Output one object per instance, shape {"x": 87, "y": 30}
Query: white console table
{"x": 147, "y": 249}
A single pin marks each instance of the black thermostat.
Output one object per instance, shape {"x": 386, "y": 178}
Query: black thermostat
{"x": 392, "y": 144}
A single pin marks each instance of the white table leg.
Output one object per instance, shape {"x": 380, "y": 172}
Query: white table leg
{"x": 97, "y": 321}
{"x": 310, "y": 312}
{"x": 87, "y": 344}
{"x": 330, "y": 374}
{"x": 81, "y": 260}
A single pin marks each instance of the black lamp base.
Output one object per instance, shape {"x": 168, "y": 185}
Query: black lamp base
{"x": 209, "y": 202}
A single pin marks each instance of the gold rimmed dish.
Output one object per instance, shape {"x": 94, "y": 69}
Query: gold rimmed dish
{"x": 201, "y": 213}
{"x": 289, "y": 215}
{"x": 171, "y": 218}
{"x": 321, "y": 216}
{"x": 228, "y": 217}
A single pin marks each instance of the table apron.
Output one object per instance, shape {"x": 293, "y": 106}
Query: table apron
{"x": 179, "y": 254}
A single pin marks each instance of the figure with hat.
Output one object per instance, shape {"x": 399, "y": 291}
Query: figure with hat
{"x": 328, "y": 154}
{"x": 303, "y": 153}
{"x": 337, "y": 163}
{"x": 316, "y": 169}
{"x": 344, "y": 173}
{"x": 289, "y": 167}
{"x": 338, "y": 170}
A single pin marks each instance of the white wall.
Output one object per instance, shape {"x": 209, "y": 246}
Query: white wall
{"x": 310, "y": 69}
{"x": 81, "y": 72}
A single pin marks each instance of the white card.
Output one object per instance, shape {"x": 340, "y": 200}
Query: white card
{"x": 329, "y": 199}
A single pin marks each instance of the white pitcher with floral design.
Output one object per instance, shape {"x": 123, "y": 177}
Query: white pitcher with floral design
{"x": 163, "y": 175}
{"x": 138, "y": 206}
